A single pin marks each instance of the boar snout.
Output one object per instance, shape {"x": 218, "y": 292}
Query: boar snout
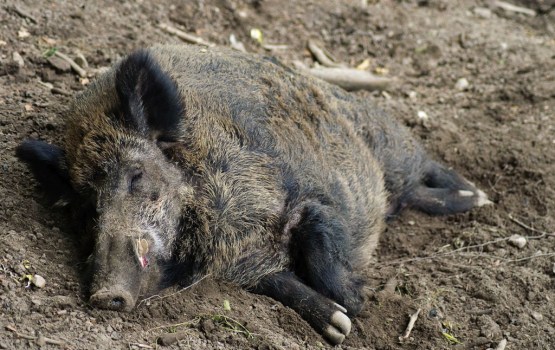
{"x": 115, "y": 299}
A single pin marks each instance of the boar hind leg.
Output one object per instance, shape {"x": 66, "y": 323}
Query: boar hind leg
{"x": 324, "y": 315}
{"x": 443, "y": 191}
{"x": 322, "y": 257}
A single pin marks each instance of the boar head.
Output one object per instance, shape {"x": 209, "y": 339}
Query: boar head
{"x": 113, "y": 165}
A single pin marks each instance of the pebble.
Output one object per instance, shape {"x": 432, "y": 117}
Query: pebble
{"x": 23, "y": 33}
{"x": 422, "y": 115}
{"x": 115, "y": 335}
{"x": 462, "y": 84}
{"x": 518, "y": 241}
{"x": 537, "y": 316}
{"x": 18, "y": 59}
{"x": 38, "y": 281}
{"x": 60, "y": 64}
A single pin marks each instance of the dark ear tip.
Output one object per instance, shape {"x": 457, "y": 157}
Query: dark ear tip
{"x": 25, "y": 149}
{"x": 32, "y": 150}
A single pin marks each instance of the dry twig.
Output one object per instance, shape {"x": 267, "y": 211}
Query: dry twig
{"x": 34, "y": 338}
{"x": 23, "y": 13}
{"x": 80, "y": 71}
{"x": 322, "y": 56}
{"x": 184, "y": 36}
{"x": 349, "y": 79}
{"x": 412, "y": 321}
{"x": 513, "y": 8}
{"x": 141, "y": 346}
{"x": 529, "y": 228}
{"x": 172, "y": 294}
{"x": 531, "y": 257}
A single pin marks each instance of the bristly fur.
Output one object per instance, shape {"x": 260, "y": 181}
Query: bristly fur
{"x": 232, "y": 165}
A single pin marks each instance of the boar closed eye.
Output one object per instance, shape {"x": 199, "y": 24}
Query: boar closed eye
{"x": 134, "y": 180}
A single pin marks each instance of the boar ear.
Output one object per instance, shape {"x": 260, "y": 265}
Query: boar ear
{"x": 150, "y": 98}
{"x": 47, "y": 163}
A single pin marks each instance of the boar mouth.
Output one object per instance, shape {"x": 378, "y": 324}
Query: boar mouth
{"x": 115, "y": 299}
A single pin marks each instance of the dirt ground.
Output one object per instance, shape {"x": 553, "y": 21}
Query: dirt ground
{"x": 473, "y": 286}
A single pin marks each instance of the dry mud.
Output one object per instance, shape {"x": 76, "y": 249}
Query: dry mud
{"x": 473, "y": 286}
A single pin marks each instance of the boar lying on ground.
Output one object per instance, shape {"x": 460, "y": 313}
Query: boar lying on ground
{"x": 183, "y": 162}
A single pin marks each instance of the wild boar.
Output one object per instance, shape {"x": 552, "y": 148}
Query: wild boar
{"x": 182, "y": 162}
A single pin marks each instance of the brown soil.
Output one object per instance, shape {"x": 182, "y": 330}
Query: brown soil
{"x": 499, "y": 132}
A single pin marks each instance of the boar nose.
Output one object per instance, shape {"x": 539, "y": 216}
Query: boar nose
{"x": 113, "y": 299}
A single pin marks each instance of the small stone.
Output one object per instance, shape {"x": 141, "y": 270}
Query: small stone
{"x": 422, "y": 115}
{"x": 537, "y": 316}
{"x": 60, "y": 64}
{"x": 16, "y": 57}
{"x": 462, "y": 84}
{"x": 482, "y": 12}
{"x": 41, "y": 340}
{"x": 38, "y": 281}
{"x": 23, "y": 33}
{"x": 517, "y": 241}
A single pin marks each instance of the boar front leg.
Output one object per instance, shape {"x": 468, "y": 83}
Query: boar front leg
{"x": 322, "y": 256}
{"x": 324, "y": 315}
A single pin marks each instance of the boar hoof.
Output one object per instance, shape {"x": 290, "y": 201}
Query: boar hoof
{"x": 117, "y": 300}
{"x": 482, "y": 199}
{"x": 338, "y": 328}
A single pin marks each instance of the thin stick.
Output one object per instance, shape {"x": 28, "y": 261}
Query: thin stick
{"x": 349, "y": 79}
{"x": 532, "y": 257}
{"x": 139, "y": 345}
{"x": 174, "y": 293}
{"x": 30, "y": 337}
{"x": 523, "y": 225}
{"x": 412, "y": 321}
{"x": 433, "y": 256}
{"x": 184, "y": 36}
{"x": 321, "y": 56}
{"x": 24, "y": 14}
{"x": 513, "y": 8}
{"x": 80, "y": 71}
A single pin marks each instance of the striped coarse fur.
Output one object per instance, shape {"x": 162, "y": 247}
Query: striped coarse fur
{"x": 190, "y": 161}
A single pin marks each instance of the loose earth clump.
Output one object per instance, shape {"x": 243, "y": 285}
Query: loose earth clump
{"x": 474, "y": 284}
